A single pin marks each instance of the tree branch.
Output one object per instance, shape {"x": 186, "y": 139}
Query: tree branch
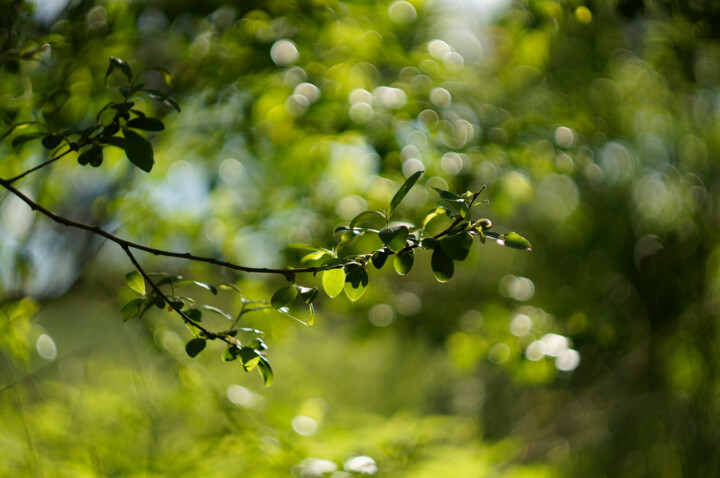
{"x": 42, "y": 165}
{"x": 125, "y": 244}
{"x": 208, "y": 334}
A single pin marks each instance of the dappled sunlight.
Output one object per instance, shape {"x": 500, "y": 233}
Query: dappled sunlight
{"x": 401, "y": 150}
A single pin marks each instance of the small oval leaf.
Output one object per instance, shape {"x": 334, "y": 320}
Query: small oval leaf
{"x": 139, "y": 150}
{"x": 231, "y": 353}
{"x": 333, "y": 281}
{"x": 131, "y": 309}
{"x": 283, "y": 296}
{"x": 195, "y": 346}
{"x": 404, "y": 189}
{"x": 356, "y": 282}
{"x": 516, "y": 241}
{"x": 250, "y": 358}
{"x": 52, "y": 141}
{"x": 395, "y": 238}
{"x": 378, "y": 258}
{"x": 442, "y": 265}
{"x": 457, "y": 246}
{"x": 266, "y": 371}
{"x": 136, "y": 282}
{"x": 365, "y": 216}
{"x": 146, "y": 124}
{"x": 404, "y": 261}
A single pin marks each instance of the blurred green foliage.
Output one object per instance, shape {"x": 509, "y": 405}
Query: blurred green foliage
{"x": 595, "y": 126}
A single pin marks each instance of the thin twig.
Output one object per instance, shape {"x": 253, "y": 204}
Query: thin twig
{"x": 208, "y": 334}
{"x": 42, "y": 165}
{"x": 158, "y": 252}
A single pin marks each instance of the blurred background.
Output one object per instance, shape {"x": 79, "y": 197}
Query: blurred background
{"x": 595, "y": 126}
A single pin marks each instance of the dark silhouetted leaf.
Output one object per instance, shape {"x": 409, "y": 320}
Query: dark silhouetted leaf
{"x": 194, "y": 314}
{"x": 139, "y": 151}
{"x": 442, "y": 265}
{"x": 308, "y": 294}
{"x": 123, "y": 107}
{"x": 24, "y": 138}
{"x": 195, "y": 346}
{"x": 116, "y": 63}
{"x": 147, "y": 124}
{"x": 356, "y": 282}
{"x": 429, "y": 243}
{"x": 378, "y": 258}
{"x": 266, "y": 371}
{"x": 52, "y": 141}
{"x": 402, "y": 192}
{"x": 92, "y": 156}
{"x": 114, "y": 141}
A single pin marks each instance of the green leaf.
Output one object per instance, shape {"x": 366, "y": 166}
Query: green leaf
{"x": 333, "y": 281}
{"x": 250, "y": 358}
{"x": 365, "y": 216}
{"x": 118, "y": 63}
{"x": 24, "y": 138}
{"x": 146, "y": 124}
{"x": 177, "y": 304}
{"x": 311, "y": 311}
{"x": 429, "y": 243}
{"x": 135, "y": 281}
{"x": 266, "y": 371}
{"x": 116, "y": 141}
{"x": 455, "y": 204}
{"x": 356, "y": 282}
{"x": 378, "y": 258}
{"x": 230, "y": 286}
{"x": 195, "y": 346}
{"x": 139, "y": 150}
{"x": 258, "y": 343}
{"x": 437, "y": 212}
{"x": 283, "y": 296}
{"x": 123, "y": 107}
{"x": 404, "y": 262}
{"x": 457, "y": 246}
{"x": 516, "y": 241}
{"x": 231, "y": 353}
{"x": 442, "y": 265}
{"x": 209, "y": 287}
{"x": 194, "y": 315}
{"x": 308, "y": 294}
{"x": 286, "y": 312}
{"x": 306, "y": 247}
{"x": 395, "y": 238}
{"x": 92, "y": 156}
{"x": 315, "y": 256}
{"x": 216, "y": 310}
{"x": 52, "y": 141}
{"x": 131, "y": 309}
{"x": 163, "y": 98}
{"x": 447, "y": 195}
{"x": 402, "y": 192}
